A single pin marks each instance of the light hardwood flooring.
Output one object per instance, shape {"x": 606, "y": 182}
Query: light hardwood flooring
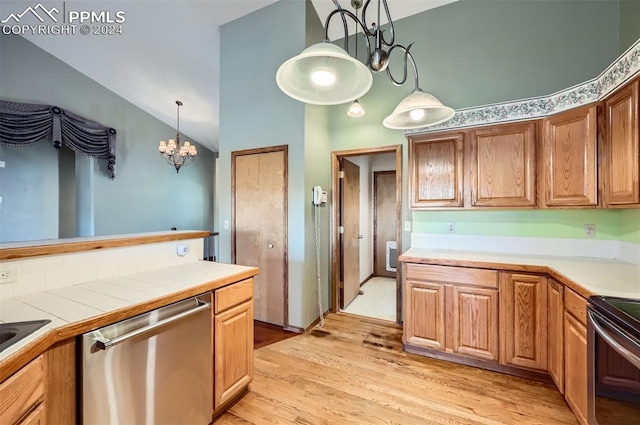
{"x": 353, "y": 371}
{"x": 378, "y": 299}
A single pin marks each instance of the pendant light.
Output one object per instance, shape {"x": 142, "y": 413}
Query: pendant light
{"x": 325, "y": 74}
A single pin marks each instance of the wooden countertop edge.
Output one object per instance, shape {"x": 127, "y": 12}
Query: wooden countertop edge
{"x": 20, "y": 358}
{"x": 79, "y": 246}
{"x": 528, "y": 268}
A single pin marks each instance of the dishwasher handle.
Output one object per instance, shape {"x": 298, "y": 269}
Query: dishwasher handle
{"x": 105, "y": 343}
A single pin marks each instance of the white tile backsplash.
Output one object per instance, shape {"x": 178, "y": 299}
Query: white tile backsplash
{"x": 608, "y": 249}
{"x": 52, "y": 272}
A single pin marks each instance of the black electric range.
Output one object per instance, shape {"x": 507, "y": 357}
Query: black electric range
{"x": 613, "y": 347}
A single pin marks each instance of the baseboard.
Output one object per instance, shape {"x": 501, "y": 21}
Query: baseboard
{"x": 371, "y": 276}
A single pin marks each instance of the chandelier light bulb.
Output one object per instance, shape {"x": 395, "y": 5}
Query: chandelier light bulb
{"x": 417, "y": 114}
{"x": 356, "y": 110}
{"x": 323, "y": 78}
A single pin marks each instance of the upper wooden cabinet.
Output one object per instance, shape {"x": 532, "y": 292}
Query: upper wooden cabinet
{"x": 503, "y": 166}
{"x": 436, "y": 170}
{"x": 621, "y": 150}
{"x": 523, "y": 320}
{"x": 569, "y": 164}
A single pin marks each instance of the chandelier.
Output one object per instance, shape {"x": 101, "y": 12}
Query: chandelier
{"x": 325, "y": 74}
{"x": 175, "y": 154}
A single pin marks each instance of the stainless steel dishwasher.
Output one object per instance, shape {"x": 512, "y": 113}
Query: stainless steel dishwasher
{"x": 155, "y": 368}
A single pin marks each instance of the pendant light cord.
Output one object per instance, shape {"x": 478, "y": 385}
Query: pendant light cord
{"x": 316, "y": 231}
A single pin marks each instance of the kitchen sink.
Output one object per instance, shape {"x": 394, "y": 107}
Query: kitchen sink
{"x": 12, "y": 332}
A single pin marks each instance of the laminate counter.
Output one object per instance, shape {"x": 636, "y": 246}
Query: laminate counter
{"x": 586, "y": 276}
{"x": 77, "y": 309}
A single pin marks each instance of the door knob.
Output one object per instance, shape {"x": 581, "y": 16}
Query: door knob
{"x": 270, "y": 246}
{"x": 360, "y": 236}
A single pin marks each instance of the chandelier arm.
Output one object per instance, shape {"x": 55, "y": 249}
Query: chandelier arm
{"x": 343, "y": 12}
{"x": 407, "y": 56}
{"x": 391, "y": 29}
{"x": 344, "y": 25}
{"x": 381, "y": 33}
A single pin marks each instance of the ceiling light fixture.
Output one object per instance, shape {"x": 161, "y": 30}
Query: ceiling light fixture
{"x": 356, "y": 110}
{"x": 175, "y": 154}
{"x": 352, "y": 78}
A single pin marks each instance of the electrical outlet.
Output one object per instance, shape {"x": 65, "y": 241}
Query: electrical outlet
{"x": 8, "y": 274}
{"x": 590, "y": 231}
{"x": 182, "y": 250}
{"x": 451, "y": 227}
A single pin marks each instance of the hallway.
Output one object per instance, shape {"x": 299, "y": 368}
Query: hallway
{"x": 378, "y": 299}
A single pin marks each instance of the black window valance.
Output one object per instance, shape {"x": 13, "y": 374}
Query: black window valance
{"x": 25, "y": 124}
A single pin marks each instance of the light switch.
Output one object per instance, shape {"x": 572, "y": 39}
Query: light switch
{"x": 407, "y": 226}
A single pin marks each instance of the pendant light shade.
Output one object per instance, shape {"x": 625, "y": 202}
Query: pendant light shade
{"x": 356, "y": 110}
{"x": 324, "y": 74}
{"x": 419, "y": 109}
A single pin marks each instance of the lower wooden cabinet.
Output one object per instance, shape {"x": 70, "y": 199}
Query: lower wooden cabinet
{"x": 575, "y": 366}
{"x": 451, "y": 309}
{"x": 555, "y": 339}
{"x": 424, "y": 324}
{"x": 23, "y": 393}
{"x": 474, "y": 321}
{"x": 523, "y": 316}
{"x": 233, "y": 341}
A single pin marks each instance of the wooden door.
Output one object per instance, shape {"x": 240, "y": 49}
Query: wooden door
{"x": 575, "y": 366}
{"x": 555, "y": 341}
{"x": 622, "y": 148}
{"x": 350, "y": 203}
{"x": 523, "y": 320}
{"x": 424, "y": 323}
{"x": 233, "y": 352}
{"x": 435, "y": 170}
{"x": 504, "y": 166}
{"x": 473, "y": 315}
{"x": 259, "y": 234}
{"x": 384, "y": 219}
{"x": 569, "y": 158}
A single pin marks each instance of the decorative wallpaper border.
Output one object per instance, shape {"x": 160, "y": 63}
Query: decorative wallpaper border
{"x": 618, "y": 73}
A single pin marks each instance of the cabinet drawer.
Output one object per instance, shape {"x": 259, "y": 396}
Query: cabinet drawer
{"x": 454, "y": 275}
{"x": 233, "y": 295}
{"x": 576, "y": 305}
{"x": 22, "y": 392}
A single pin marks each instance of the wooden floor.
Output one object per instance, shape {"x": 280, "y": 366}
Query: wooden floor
{"x": 265, "y": 334}
{"x": 353, "y": 371}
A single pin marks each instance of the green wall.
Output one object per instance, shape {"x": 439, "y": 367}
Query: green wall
{"x": 255, "y": 113}
{"x": 146, "y": 195}
{"x": 472, "y": 53}
{"x": 629, "y": 23}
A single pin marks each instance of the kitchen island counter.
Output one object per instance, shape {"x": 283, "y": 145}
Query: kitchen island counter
{"x": 77, "y": 309}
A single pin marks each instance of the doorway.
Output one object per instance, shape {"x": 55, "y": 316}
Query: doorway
{"x": 259, "y": 234}
{"x": 366, "y": 222}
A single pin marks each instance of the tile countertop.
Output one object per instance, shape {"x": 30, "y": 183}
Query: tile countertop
{"x": 77, "y": 309}
{"x": 587, "y": 276}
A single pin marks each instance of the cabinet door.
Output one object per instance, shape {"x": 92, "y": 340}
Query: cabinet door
{"x": 555, "y": 341}
{"x": 435, "y": 171}
{"x": 621, "y": 165}
{"x": 575, "y": 366}
{"x": 473, "y": 315}
{"x": 503, "y": 166}
{"x": 569, "y": 159}
{"x": 523, "y": 320}
{"x": 233, "y": 352}
{"x": 424, "y": 315}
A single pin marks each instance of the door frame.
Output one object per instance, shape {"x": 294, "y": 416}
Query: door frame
{"x": 285, "y": 277}
{"x": 335, "y": 259}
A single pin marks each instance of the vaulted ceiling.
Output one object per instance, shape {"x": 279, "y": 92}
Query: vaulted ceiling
{"x": 169, "y": 50}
